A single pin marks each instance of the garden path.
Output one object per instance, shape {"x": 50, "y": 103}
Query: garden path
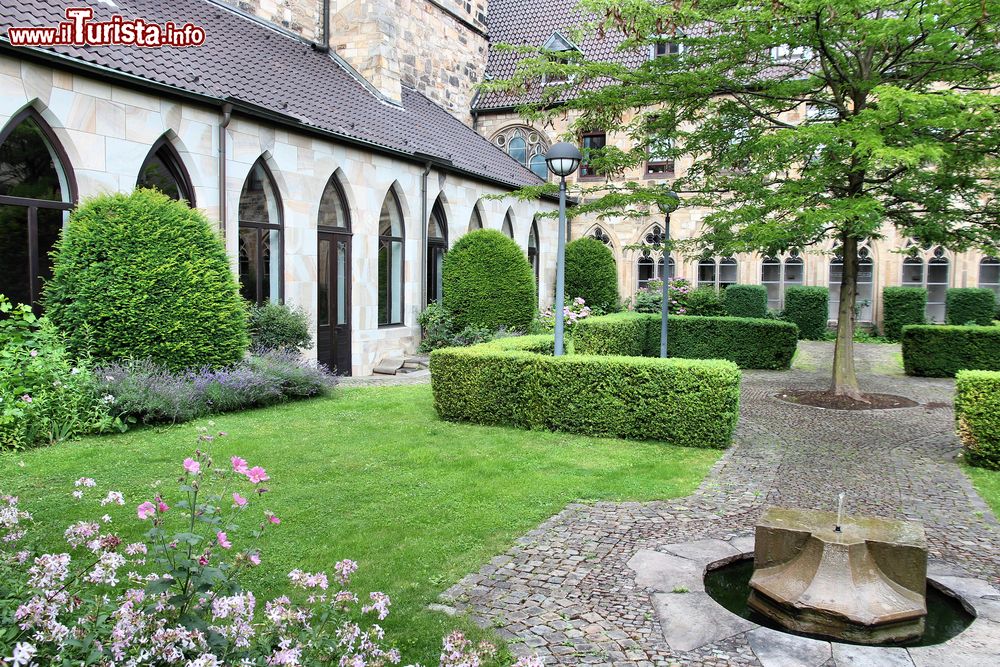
{"x": 567, "y": 592}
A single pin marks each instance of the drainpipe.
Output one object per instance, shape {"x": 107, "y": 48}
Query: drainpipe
{"x": 227, "y": 115}
{"x": 424, "y": 217}
{"x": 325, "y": 27}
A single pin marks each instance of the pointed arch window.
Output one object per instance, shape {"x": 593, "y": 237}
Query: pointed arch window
{"x": 777, "y": 276}
{"x": 36, "y": 193}
{"x": 599, "y": 234}
{"x": 476, "y": 220}
{"x": 261, "y": 244}
{"x": 508, "y": 226}
{"x": 989, "y": 275}
{"x": 163, "y": 170}
{"x": 437, "y": 246}
{"x": 647, "y": 270}
{"x": 390, "y": 261}
{"x": 533, "y": 249}
{"x": 930, "y": 269}
{"x": 717, "y": 274}
{"x": 866, "y": 284}
{"x": 333, "y": 210}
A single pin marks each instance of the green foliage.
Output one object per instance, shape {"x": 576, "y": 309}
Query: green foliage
{"x": 591, "y": 274}
{"x": 44, "y": 397}
{"x": 902, "y": 306}
{"x": 517, "y": 382}
{"x": 439, "y": 330}
{"x": 704, "y": 301}
{"x": 943, "y": 350}
{"x": 488, "y": 282}
{"x": 807, "y": 307}
{"x": 141, "y": 276}
{"x": 749, "y": 343}
{"x": 970, "y": 305}
{"x": 649, "y": 299}
{"x": 977, "y": 416}
{"x": 278, "y": 326}
{"x": 746, "y": 301}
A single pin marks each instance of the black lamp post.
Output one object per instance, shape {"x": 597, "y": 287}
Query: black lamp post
{"x": 562, "y": 160}
{"x": 667, "y": 203}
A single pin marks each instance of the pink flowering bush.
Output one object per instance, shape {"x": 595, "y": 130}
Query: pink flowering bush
{"x": 573, "y": 312}
{"x": 649, "y": 299}
{"x": 175, "y": 597}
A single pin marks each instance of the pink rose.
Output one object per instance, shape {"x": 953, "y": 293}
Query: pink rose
{"x": 239, "y": 500}
{"x": 257, "y": 475}
{"x": 146, "y": 510}
{"x": 223, "y": 540}
{"x": 192, "y": 466}
{"x": 239, "y": 465}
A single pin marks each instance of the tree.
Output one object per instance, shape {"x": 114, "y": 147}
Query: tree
{"x": 809, "y": 121}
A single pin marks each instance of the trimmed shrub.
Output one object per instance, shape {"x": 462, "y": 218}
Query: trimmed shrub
{"x": 278, "y": 326}
{"x": 591, "y": 274}
{"x": 902, "y": 306}
{"x": 749, "y": 343}
{"x": 516, "y": 382}
{"x": 746, "y": 301}
{"x": 488, "y": 282}
{"x": 935, "y": 350}
{"x": 142, "y": 276}
{"x": 808, "y": 308}
{"x": 970, "y": 305}
{"x": 704, "y": 301}
{"x": 977, "y": 416}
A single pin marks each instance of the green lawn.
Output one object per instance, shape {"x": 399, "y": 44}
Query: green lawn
{"x": 370, "y": 474}
{"x": 987, "y": 483}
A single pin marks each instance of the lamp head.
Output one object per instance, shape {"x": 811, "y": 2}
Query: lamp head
{"x": 668, "y": 201}
{"x": 563, "y": 159}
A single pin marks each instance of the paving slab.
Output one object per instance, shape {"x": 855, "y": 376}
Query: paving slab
{"x": 848, "y": 655}
{"x": 703, "y": 550}
{"x": 665, "y": 573}
{"x": 692, "y": 620}
{"x": 777, "y": 649}
{"x": 978, "y": 646}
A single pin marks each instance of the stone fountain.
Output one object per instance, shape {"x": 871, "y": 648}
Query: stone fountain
{"x": 857, "y": 579}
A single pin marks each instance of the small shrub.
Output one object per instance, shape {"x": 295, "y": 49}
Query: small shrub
{"x": 750, "y": 343}
{"x": 45, "y": 397}
{"x": 705, "y": 302}
{"x": 147, "y": 392}
{"x": 141, "y": 276}
{"x": 437, "y": 326}
{"x": 808, "y": 308}
{"x": 488, "y": 282}
{"x": 977, "y": 416}
{"x": 943, "y": 350}
{"x": 649, "y": 299}
{"x": 278, "y": 326}
{"x": 573, "y": 312}
{"x": 970, "y": 305}
{"x": 517, "y": 382}
{"x": 902, "y": 306}
{"x": 746, "y": 301}
{"x": 591, "y": 274}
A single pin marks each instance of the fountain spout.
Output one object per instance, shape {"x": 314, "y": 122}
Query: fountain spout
{"x": 840, "y": 511}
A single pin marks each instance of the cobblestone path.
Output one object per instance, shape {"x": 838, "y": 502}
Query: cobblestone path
{"x": 565, "y": 590}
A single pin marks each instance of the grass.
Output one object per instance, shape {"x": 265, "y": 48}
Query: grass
{"x": 370, "y": 474}
{"x": 987, "y": 483}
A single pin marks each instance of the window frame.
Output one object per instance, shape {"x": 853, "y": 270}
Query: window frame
{"x": 171, "y": 159}
{"x": 435, "y": 245}
{"x": 386, "y": 241}
{"x": 586, "y": 172}
{"x": 261, "y": 228}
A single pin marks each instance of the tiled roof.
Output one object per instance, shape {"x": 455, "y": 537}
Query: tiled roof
{"x": 531, "y": 23}
{"x": 247, "y": 61}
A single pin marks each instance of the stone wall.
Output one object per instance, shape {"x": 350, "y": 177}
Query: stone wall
{"x": 107, "y": 131}
{"x": 300, "y": 16}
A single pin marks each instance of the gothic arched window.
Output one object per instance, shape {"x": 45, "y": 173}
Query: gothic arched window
{"x": 164, "y": 171}
{"x": 437, "y": 246}
{"x": 930, "y": 269}
{"x": 526, "y": 145}
{"x": 390, "y": 261}
{"x": 865, "y": 284}
{"x": 261, "y": 243}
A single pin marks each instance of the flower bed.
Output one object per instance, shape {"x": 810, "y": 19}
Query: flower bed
{"x": 517, "y": 382}
{"x": 747, "y": 342}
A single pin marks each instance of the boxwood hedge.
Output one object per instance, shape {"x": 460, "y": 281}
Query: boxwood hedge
{"x": 970, "y": 305}
{"x": 749, "y": 343}
{"x": 977, "y": 416}
{"x": 516, "y": 382}
{"x": 902, "y": 306}
{"x": 591, "y": 274}
{"x": 807, "y": 307}
{"x": 746, "y": 301}
{"x": 934, "y": 350}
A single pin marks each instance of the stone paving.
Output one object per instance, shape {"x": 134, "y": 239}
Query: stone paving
{"x": 566, "y": 590}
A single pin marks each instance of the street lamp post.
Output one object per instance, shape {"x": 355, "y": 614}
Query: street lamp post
{"x": 667, "y": 204}
{"x": 562, "y": 160}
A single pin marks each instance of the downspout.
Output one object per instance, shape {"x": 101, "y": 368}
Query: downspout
{"x": 227, "y": 115}
{"x": 423, "y": 234}
{"x": 325, "y": 27}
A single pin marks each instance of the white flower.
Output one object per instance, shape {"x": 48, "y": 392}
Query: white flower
{"x": 108, "y": 398}
{"x": 23, "y": 653}
{"x": 75, "y": 371}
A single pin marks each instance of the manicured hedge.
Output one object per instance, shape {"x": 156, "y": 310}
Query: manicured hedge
{"x": 808, "y": 308}
{"x": 516, "y": 382}
{"x": 141, "y": 276}
{"x": 902, "y": 306}
{"x": 488, "y": 282}
{"x": 943, "y": 350}
{"x": 977, "y": 416}
{"x": 750, "y": 343}
{"x": 591, "y": 274}
{"x": 746, "y": 301}
{"x": 970, "y": 305}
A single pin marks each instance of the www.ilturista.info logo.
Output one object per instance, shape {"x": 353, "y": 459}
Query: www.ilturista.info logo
{"x": 79, "y": 30}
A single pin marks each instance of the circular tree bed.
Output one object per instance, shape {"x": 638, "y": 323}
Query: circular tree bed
{"x": 825, "y": 399}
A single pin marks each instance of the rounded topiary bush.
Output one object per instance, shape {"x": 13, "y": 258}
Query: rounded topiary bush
{"x": 746, "y": 301}
{"x": 591, "y": 274}
{"x": 808, "y": 307}
{"x": 487, "y": 281}
{"x": 902, "y": 306}
{"x": 142, "y": 276}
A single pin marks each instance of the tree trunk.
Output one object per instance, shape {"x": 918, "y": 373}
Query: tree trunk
{"x": 845, "y": 380}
